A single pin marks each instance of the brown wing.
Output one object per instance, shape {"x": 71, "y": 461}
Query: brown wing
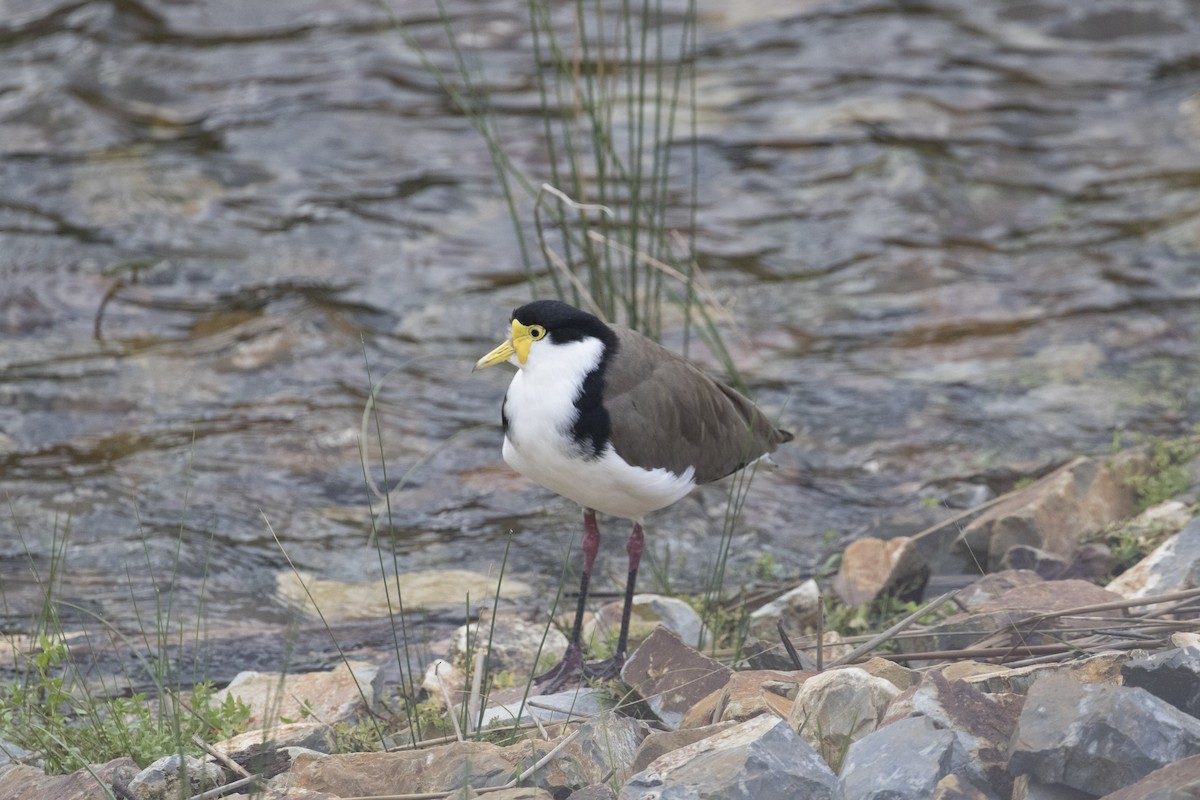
{"x": 665, "y": 412}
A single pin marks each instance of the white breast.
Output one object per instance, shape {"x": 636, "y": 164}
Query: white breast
{"x": 540, "y": 407}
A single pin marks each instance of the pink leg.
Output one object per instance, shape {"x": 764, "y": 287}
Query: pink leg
{"x": 634, "y": 548}
{"x": 571, "y": 665}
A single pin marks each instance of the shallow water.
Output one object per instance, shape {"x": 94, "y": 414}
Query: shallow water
{"x": 961, "y": 241}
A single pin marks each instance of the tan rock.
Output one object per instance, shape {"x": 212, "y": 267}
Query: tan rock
{"x": 23, "y": 782}
{"x": 874, "y": 567}
{"x": 660, "y": 743}
{"x": 1057, "y": 512}
{"x": 339, "y": 600}
{"x": 703, "y": 713}
{"x": 838, "y": 707}
{"x": 745, "y": 695}
{"x": 897, "y": 675}
{"x": 960, "y": 670}
{"x": 604, "y": 744}
{"x": 1100, "y": 668}
{"x": 342, "y": 694}
{"x": 952, "y": 787}
{"x": 994, "y": 584}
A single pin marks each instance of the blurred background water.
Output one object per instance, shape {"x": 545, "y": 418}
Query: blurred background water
{"x": 960, "y": 242}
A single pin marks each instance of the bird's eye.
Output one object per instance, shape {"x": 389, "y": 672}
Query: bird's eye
{"x": 537, "y": 332}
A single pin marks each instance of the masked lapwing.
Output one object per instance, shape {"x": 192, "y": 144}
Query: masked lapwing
{"x": 608, "y": 418}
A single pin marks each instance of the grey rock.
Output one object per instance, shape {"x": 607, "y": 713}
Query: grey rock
{"x": 1027, "y": 787}
{"x": 759, "y": 759}
{"x": 1178, "y": 781}
{"x": 905, "y": 761}
{"x": 1173, "y": 676}
{"x": 647, "y": 612}
{"x": 983, "y": 723}
{"x": 162, "y": 780}
{"x": 594, "y": 792}
{"x": 558, "y": 707}
{"x": 1097, "y": 738}
{"x": 10, "y": 752}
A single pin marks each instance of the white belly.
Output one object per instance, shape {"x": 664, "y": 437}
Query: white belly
{"x": 606, "y": 484}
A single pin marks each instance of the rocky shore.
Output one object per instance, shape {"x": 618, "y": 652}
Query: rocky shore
{"x": 1024, "y": 670}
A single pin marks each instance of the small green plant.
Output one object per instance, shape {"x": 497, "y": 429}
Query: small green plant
{"x": 766, "y": 567}
{"x": 1169, "y": 472}
{"x": 70, "y": 729}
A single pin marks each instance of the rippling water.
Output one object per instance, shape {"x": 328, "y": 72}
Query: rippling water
{"x": 961, "y": 240}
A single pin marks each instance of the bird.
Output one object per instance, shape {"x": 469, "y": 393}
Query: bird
{"x": 610, "y": 419}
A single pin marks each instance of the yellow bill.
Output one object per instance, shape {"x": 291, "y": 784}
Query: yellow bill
{"x": 516, "y": 344}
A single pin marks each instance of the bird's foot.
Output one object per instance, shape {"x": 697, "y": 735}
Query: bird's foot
{"x": 606, "y": 670}
{"x": 570, "y": 669}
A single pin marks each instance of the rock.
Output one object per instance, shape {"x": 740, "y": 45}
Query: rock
{"x": 10, "y": 752}
{"x": 1057, "y": 512}
{"x": 660, "y": 743}
{"x": 339, "y": 600}
{"x": 260, "y": 751}
{"x": 283, "y": 794}
{"x": 702, "y": 714}
{"x": 1090, "y": 562}
{"x": 1172, "y": 566}
{"x": 444, "y": 680}
{"x": 904, "y": 761}
{"x": 997, "y": 622}
{"x": 515, "y": 793}
{"x": 1027, "y": 787}
{"x": 952, "y": 787}
{"x": 23, "y": 782}
{"x": 745, "y": 694}
{"x": 840, "y": 706}
{"x": 1173, "y": 676}
{"x": 512, "y": 707}
{"x": 603, "y": 744}
{"x": 597, "y": 792}
{"x": 873, "y": 568}
{"x": 648, "y": 612}
{"x": 994, "y": 584}
{"x": 671, "y": 677}
{"x": 513, "y": 644}
{"x": 796, "y": 608}
{"x": 1097, "y": 739}
{"x": 174, "y": 776}
{"x": 1102, "y": 668}
{"x": 1179, "y": 780}
{"x": 983, "y": 723}
{"x": 753, "y": 760}
{"x": 1026, "y": 557}
{"x": 899, "y": 676}
{"x": 757, "y": 654}
{"x": 343, "y": 694}
{"x": 607, "y": 743}
{"x": 1185, "y": 639}
{"x": 961, "y": 670}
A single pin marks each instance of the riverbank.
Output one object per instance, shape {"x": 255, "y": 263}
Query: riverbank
{"x": 1045, "y": 676}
